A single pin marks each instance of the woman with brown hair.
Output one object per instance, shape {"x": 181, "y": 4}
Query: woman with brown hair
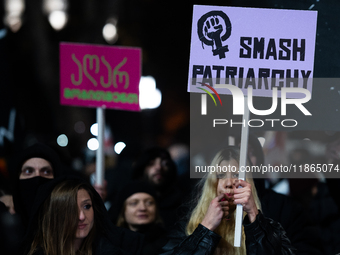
{"x": 72, "y": 220}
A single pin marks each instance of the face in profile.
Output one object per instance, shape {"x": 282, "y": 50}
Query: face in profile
{"x": 157, "y": 171}
{"x": 226, "y": 181}
{"x": 140, "y": 210}
{"x": 36, "y": 167}
{"x": 86, "y": 214}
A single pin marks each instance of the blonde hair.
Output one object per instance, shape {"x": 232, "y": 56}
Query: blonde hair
{"x": 208, "y": 188}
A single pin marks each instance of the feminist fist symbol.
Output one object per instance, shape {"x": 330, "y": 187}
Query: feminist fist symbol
{"x": 210, "y": 31}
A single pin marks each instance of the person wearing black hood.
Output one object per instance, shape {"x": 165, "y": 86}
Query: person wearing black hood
{"x": 34, "y": 166}
{"x": 156, "y": 166}
{"x": 29, "y": 169}
{"x": 69, "y": 217}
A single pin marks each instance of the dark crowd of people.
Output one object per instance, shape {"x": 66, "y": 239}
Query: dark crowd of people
{"x": 48, "y": 209}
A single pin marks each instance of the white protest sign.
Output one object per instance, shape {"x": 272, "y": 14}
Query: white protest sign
{"x": 247, "y": 47}
{"x": 260, "y": 51}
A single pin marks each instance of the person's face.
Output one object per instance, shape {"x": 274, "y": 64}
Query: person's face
{"x": 157, "y": 170}
{"x": 36, "y": 167}
{"x": 140, "y": 209}
{"x": 86, "y": 214}
{"x": 226, "y": 181}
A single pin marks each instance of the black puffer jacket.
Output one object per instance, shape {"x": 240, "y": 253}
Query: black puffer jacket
{"x": 263, "y": 236}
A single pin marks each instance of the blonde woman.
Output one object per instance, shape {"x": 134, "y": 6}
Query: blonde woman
{"x": 210, "y": 228}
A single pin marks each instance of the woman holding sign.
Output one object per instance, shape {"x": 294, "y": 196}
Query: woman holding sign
{"x": 210, "y": 228}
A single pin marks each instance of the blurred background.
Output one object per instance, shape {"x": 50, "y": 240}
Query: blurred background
{"x": 30, "y": 111}
{"x": 30, "y": 33}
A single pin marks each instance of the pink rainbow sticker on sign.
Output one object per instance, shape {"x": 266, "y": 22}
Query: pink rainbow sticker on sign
{"x": 100, "y": 76}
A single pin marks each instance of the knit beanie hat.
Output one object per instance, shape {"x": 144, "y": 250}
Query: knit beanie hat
{"x": 39, "y": 150}
{"x": 134, "y": 187}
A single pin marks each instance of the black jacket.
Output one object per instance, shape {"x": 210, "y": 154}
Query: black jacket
{"x": 304, "y": 236}
{"x": 155, "y": 237}
{"x": 102, "y": 246}
{"x": 263, "y": 236}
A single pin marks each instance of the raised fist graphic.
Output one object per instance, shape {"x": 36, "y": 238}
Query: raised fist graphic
{"x": 213, "y": 28}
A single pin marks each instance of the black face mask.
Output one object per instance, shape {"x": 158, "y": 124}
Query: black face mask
{"x": 26, "y": 194}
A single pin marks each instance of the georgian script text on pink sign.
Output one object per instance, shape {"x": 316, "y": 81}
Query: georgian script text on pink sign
{"x": 99, "y": 76}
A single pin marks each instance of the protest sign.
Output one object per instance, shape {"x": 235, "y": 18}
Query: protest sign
{"x": 248, "y": 47}
{"x": 250, "y": 52}
{"x": 100, "y": 76}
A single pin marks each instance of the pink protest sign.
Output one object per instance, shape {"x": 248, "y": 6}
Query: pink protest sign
{"x": 100, "y": 76}
{"x": 251, "y": 47}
